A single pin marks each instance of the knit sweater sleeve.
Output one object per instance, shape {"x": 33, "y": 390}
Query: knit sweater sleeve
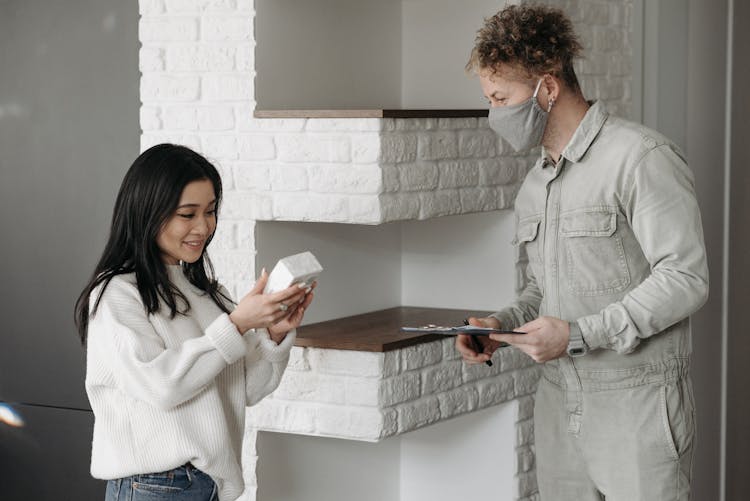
{"x": 265, "y": 363}
{"x": 123, "y": 336}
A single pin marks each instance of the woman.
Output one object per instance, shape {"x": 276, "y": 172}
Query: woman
{"x": 171, "y": 362}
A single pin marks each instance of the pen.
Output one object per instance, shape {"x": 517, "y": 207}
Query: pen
{"x": 476, "y": 344}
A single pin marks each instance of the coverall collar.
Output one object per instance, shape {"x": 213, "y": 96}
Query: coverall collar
{"x": 584, "y": 135}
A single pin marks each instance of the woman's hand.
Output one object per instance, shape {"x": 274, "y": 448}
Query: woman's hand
{"x": 257, "y": 310}
{"x": 465, "y": 348}
{"x": 279, "y": 331}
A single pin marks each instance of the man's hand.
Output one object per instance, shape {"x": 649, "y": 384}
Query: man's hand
{"x": 546, "y": 338}
{"x": 464, "y": 345}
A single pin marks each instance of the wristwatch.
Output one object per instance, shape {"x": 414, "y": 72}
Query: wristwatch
{"x": 576, "y": 344}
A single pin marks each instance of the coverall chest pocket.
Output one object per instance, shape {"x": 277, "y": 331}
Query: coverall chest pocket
{"x": 594, "y": 253}
{"x": 527, "y": 241}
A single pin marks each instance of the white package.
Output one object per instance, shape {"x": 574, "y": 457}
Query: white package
{"x": 300, "y": 268}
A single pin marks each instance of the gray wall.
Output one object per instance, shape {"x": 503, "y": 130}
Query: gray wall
{"x": 684, "y": 71}
{"x": 665, "y": 66}
{"x": 68, "y": 131}
{"x": 738, "y": 348}
{"x": 720, "y": 342}
{"x": 684, "y": 94}
{"x": 705, "y": 132}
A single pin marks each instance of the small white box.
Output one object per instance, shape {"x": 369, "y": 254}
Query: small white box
{"x": 300, "y": 268}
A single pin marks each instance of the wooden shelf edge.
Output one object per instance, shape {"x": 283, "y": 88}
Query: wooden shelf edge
{"x": 371, "y": 113}
{"x": 379, "y": 331}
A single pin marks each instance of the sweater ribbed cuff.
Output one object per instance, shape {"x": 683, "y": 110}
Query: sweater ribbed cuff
{"x": 271, "y": 351}
{"x": 225, "y": 337}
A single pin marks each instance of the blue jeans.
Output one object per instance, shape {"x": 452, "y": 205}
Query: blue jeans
{"x": 184, "y": 483}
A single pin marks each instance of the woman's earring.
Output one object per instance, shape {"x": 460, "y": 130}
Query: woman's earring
{"x": 550, "y": 103}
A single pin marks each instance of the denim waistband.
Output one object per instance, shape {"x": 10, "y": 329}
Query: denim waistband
{"x": 568, "y": 376}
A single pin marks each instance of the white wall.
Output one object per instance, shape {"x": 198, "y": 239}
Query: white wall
{"x": 362, "y": 264}
{"x": 462, "y": 458}
{"x": 465, "y": 458}
{"x": 302, "y": 468}
{"x": 449, "y": 262}
{"x": 437, "y": 39}
{"x": 328, "y": 54}
{"x": 363, "y": 54}
{"x": 389, "y": 54}
{"x": 459, "y": 261}
{"x": 456, "y": 261}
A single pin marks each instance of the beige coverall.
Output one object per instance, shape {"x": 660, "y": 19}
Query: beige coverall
{"x": 614, "y": 243}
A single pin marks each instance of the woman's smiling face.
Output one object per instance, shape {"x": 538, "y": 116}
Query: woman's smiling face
{"x": 184, "y": 235}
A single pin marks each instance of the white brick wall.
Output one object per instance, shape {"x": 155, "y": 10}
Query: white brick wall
{"x": 197, "y": 88}
{"x": 371, "y": 396}
{"x": 355, "y": 163}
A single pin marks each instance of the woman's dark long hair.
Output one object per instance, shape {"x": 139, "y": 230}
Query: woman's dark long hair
{"x": 148, "y": 197}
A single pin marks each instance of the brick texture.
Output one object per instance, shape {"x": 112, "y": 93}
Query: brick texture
{"x": 197, "y": 88}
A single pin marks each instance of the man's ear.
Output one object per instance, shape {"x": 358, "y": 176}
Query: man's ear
{"x": 551, "y": 85}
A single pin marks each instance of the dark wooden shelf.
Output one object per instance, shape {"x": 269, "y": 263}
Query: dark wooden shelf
{"x": 379, "y": 330}
{"x": 369, "y": 113}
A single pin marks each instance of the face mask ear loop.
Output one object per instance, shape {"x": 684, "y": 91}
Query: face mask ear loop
{"x": 538, "y": 84}
{"x": 550, "y": 102}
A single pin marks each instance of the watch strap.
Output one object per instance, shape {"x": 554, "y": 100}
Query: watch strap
{"x": 576, "y": 344}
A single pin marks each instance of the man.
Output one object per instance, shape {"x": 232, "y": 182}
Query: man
{"x": 609, "y": 222}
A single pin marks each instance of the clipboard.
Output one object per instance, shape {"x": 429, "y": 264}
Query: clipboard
{"x": 470, "y": 330}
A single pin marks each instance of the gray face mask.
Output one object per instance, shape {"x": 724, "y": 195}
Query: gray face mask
{"x": 521, "y": 125}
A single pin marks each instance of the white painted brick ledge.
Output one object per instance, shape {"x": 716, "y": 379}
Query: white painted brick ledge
{"x": 356, "y": 171}
{"x": 370, "y": 396}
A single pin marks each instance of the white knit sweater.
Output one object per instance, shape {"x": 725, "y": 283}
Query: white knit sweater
{"x": 168, "y": 391}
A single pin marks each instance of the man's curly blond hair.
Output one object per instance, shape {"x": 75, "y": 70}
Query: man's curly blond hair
{"x": 528, "y": 40}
